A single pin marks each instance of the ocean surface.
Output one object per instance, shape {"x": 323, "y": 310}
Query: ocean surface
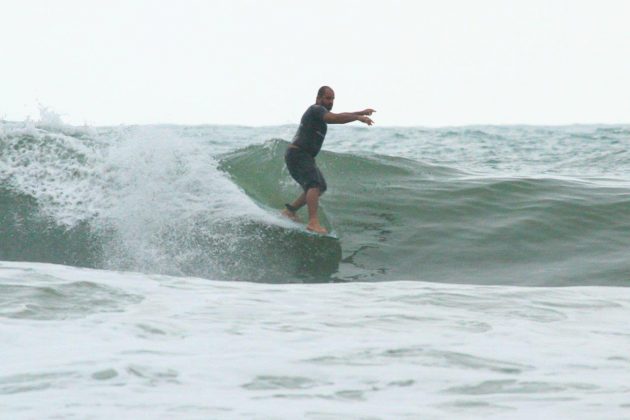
{"x": 480, "y": 271}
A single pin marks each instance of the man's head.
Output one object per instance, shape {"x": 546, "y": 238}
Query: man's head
{"x": 325, "y": 97}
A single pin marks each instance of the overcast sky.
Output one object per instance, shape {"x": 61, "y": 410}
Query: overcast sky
{"x": 428, "y": 63}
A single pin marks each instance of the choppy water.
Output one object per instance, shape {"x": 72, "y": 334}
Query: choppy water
{"x": 102, "y": 344}
{"x": 442, "y": 234}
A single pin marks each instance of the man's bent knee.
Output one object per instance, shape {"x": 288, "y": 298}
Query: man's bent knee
{"x": 320, "y": 189}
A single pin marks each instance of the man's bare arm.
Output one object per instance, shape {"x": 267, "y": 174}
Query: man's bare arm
{"x": 367, "y": 111}
{"x": 346, "y": 117}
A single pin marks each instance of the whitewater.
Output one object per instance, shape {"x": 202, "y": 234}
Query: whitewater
{"x": 479, "y": 272}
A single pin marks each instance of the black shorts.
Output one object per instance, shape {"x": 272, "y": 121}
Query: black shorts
{"x": 303, "y": 169}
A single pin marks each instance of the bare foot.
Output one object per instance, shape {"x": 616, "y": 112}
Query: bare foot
{"x": 317, "y": 228}
{"x": 291, "y": 215}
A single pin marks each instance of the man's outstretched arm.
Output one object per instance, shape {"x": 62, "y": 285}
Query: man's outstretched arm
{"x": 346, "y": 117}
{"x": 367, "y": 111}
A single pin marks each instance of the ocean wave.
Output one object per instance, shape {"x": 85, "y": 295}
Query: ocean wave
{"x": 162, "y": 199}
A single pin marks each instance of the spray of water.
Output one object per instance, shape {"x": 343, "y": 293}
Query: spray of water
{"x": 156, "y": 200}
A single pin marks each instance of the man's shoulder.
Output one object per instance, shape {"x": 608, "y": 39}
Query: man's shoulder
{"x": 316, "y": 110}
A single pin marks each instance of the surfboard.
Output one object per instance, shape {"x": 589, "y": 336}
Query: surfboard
{"x": 331, "y": 234}
{"x": 298, "y": 226}
{"x": 302, "y": 227}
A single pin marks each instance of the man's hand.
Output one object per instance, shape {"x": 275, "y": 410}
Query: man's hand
{"x": 367, "y": 111}
{"x": 365, "y": 120}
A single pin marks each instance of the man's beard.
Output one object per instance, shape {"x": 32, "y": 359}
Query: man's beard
{"x": 328, "y": 107}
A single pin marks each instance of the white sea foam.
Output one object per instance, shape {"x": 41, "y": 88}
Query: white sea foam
{"x": 134, "y": 183}
{"x": 145, "y": 165}
{"x": 158, "y": 182}
{"x": 168, "y": 347}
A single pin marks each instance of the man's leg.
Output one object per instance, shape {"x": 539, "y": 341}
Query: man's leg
{"x": 312, "y": 201}
{"x": 297, "y": 204}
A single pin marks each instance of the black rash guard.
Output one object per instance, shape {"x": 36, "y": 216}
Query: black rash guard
{"x": 310, "y": 135}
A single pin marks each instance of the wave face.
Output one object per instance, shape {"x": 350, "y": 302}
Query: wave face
{"x": 487, "y": 205}
{"x": 403, "y": 219}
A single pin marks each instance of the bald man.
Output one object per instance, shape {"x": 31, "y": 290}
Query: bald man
{"x": 300, "y": 155}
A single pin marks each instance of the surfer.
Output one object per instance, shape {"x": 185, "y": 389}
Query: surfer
{"x": 300, "y": 155}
